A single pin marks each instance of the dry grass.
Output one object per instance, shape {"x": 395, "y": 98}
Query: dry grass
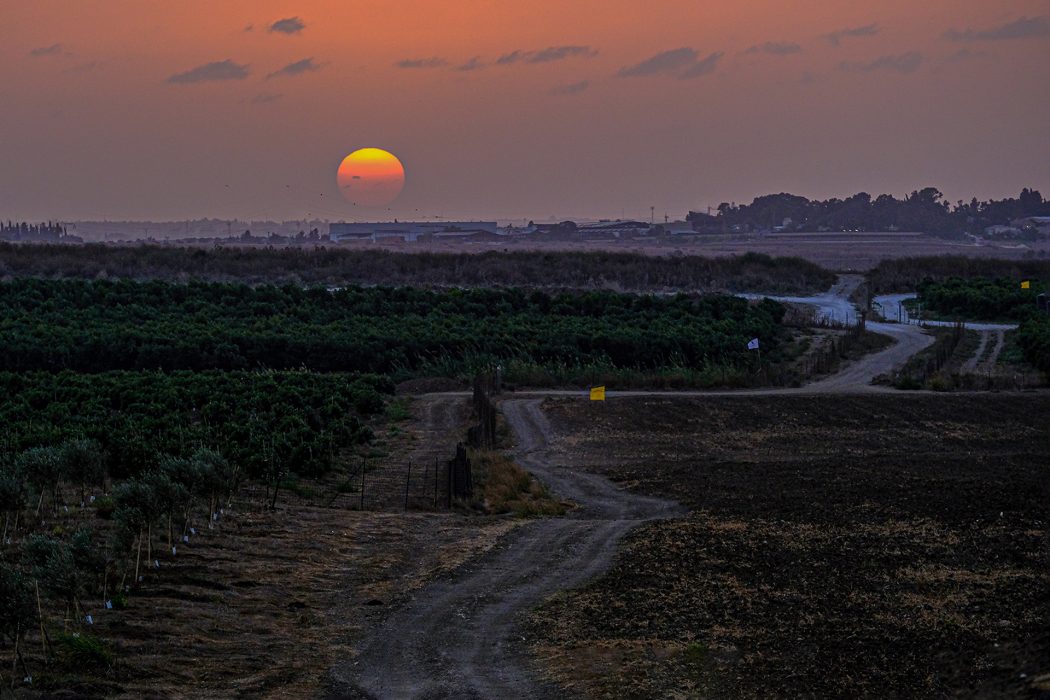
{"x": 504, "y": 487}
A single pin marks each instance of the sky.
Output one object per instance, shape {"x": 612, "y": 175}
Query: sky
{"x": 151, "y": 109}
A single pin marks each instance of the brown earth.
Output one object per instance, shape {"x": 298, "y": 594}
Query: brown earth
{"x": 884, "y": 545}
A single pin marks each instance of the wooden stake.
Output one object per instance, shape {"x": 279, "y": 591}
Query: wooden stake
{"x": 45, "y": 641}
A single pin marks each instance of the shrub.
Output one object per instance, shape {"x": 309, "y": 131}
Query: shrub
{"x": 82, "y": 651}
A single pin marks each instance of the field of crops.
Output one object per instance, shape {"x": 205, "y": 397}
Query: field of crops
{"x": 334, "y": 266}
{"x": 907, "y": 274}
{"x": 981, "y": 298}
{"x": 400, "y": 332}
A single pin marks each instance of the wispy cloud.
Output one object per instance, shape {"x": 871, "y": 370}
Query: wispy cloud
{"x": 551, "y": 53}
{"x": 662, "y": 63}
{"x": 776, "y": 48}
{"x": 967, "y": 54}
{"x": 433, "y": 62}
{"x": 900, "y": 63}
{"x": 85, "y": 67}
{"x": 53, "y": 50}
{"x": 472, "y": 64}
{"x": 1023, "y": 28}
{"x": 217, "y": 70}
{"x": 288, "y": 25}
{"x": 836, "y": 37}
{"x": 307, "y": 65}
{"x": 266, "y": 98}
{"x": 571, "y": 88}
{"x": 702, "y": 67}
{"x": 682, "y": 63}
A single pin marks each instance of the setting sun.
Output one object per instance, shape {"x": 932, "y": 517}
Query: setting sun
{"x": 371, "y": 177}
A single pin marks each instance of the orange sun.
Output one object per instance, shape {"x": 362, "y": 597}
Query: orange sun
{"x": 371, "y": 177}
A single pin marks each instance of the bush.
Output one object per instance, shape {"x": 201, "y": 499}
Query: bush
{"x": 82, "y": 651}
{"x": 17, "y": 606}
{"x": 104, "y": 507}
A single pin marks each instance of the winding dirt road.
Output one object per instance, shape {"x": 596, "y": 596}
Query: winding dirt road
{"x": 457, "y": 638}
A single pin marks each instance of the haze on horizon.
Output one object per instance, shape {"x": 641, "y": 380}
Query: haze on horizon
{"x": 158, "y": 110}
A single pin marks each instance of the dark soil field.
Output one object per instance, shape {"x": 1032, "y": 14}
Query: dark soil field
{"x": 836, "y": 547}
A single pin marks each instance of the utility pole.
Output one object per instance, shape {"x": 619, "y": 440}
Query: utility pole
{"x": 652, "y": 215}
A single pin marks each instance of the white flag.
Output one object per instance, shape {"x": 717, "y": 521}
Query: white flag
{"x": 752, "y": 344}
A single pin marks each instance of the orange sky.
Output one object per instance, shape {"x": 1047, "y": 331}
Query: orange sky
{"x": 111, "y": 109}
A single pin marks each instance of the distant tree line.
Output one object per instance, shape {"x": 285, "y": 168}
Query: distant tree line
{"x": 923, "y": 210}
{"x": 337, "y": 267}
{"x": 49, "y": 231}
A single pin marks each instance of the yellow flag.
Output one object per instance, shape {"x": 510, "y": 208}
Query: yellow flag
{"x": 598, "y": 393}
{"x": 1026, "y": 285}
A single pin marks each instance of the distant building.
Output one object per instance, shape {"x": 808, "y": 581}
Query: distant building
{"x": 678, "y": 228}
{"x": 409, "y": 230}
{"x": 613, "y": 229}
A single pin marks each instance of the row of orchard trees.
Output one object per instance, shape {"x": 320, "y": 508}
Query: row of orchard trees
{"x": 334, "y": 266}
{"x": 400, "y": 332}
{"x": 47, "y": 575}
{"x": 982, "y": 299}
{"x": 98, "y": 471}
{"x": 1034, "y": 339}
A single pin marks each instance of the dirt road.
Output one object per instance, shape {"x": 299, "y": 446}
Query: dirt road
{"x": 457, "y": 638}
{"x": 833, "y": 305}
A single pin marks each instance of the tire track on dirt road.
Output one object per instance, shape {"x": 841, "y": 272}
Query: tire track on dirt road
{"x": 458, "y": 637}
{"x": 970, "y": 365}
{"x": 993, "y": 357}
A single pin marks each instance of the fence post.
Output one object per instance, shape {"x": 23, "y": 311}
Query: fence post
{"x": 450, "y": 477}
{"x": 364, "y": 464}
{"x": 408, "y": 480}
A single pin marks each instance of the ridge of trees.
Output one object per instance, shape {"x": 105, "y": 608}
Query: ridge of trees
{"x": 923, "y": 210}
{"x": 333, "y": 266}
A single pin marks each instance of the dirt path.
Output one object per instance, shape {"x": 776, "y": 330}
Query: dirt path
{"x": 1000, "y": 341}
{"x": 833, "y": 305}
{"x": 891, "y": 307}
{"x": 970, "y": 365}
{"x": 856, "y": 377}
{"x": 458, "y": 637}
